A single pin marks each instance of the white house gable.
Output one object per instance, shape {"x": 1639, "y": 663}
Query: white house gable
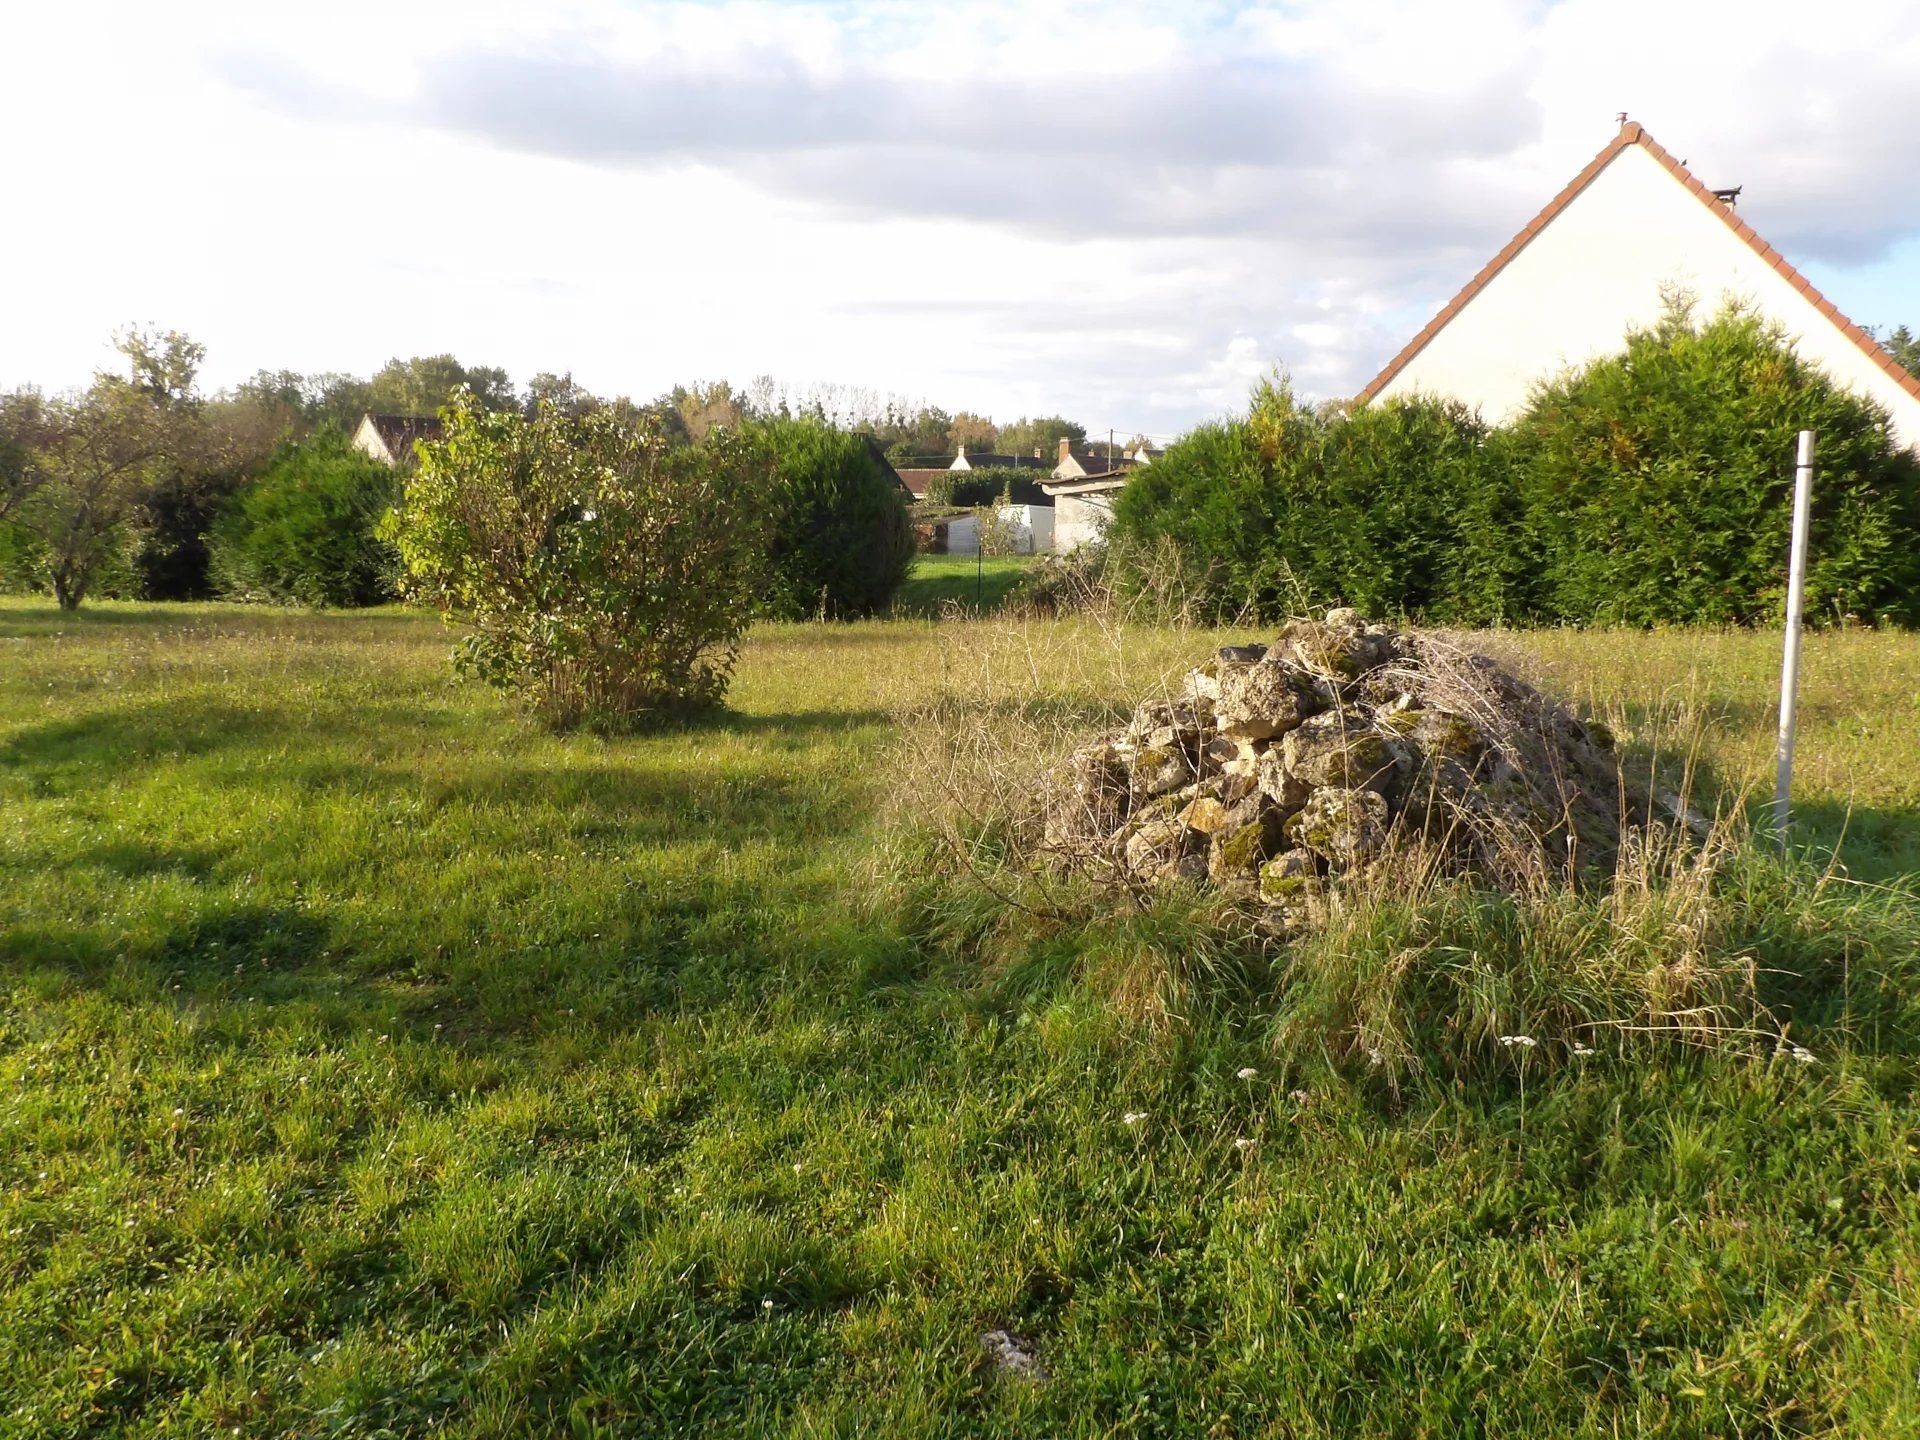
{"x": 1598, "y": 261}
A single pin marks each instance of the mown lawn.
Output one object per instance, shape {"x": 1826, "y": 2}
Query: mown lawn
{"x": 972, "y": 582}
{"x": 374, "y": 1064}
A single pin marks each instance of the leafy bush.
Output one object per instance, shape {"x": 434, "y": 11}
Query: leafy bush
{"x": 306, "y": 530}
{"x": 1295, "y": 509}
{"x": 1656, "y": 486}
{"x": 606, "y": 578}
{"x": 838, "y": 539}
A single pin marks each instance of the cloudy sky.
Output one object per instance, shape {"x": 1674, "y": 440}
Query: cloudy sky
{"x": 1127, "y": 212}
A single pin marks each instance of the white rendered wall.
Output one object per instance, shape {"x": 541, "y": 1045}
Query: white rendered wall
{"x": 1597, "y": 267}
{"x": 1032, "y": 527}
{"x": 1079, "y": 519}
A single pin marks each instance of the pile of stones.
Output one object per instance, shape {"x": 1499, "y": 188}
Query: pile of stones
{"x": 1278, "y": 769}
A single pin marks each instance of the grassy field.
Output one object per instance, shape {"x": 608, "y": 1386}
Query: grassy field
{"x": 377, "y": 1065}
{"x": 976, "y": 583}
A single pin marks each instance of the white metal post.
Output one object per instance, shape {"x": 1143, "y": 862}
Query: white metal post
{"x": 1790, "y": 660}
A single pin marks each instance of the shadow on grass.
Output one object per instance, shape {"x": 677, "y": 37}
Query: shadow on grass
{"x": 1875, "y": 844}
{"x": 48, "y": 618}
{"x": 180, "y": 729}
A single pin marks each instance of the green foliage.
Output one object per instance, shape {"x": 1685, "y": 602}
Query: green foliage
{"x": 1039, "y": 432}
{"x": 1656, "y": 486}
{"x": 421, "y": 385}
{"x": 1651, "y": 487}
{"x": 916, "y": 435}
{"x": 1294, "y": 508}
{"x": 1008, "y": 484}
{"x": 839, "y": 541}
{"x": 306, "y": 531}
{"x": 605, "y": 578}
{"x": 1904, "y": 346}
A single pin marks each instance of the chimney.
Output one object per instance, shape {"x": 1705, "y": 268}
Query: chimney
{"x": 962, "y": 456}
{"x": 1066, "y": 449}
{"x": 1036, "y": 452}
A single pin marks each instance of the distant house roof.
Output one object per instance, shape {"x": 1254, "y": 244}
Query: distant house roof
{"x": 1077, "y": 462}
{"x": 390, "y": 437}
{"x": 917, "y": 478}
{"x": 989, "y": 461}
{"x": 1086, "y": 484}
{"x": 873, "y": 446}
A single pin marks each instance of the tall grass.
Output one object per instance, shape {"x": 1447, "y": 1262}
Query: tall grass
{"x": 1699, "y": 935}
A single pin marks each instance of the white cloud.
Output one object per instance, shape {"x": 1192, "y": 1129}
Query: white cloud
{"x": 1128, "y": 212}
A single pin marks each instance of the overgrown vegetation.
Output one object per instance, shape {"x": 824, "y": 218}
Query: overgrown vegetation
{"x": 377, "y": 1064}
{"x": 306, "y": 531}
{"x": 602, "y": 576}
{"x": 837, "y": 538}
{"x": 1652, "y": 487}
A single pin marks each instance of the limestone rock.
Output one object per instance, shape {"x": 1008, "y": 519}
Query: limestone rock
{"x": 1284, "y": 775}
{"x": 1163, "y": 723}
{"x": 1339, "y": 748}
{"x": 1090, "y": 795}
{"x": 1260, "y": 701}
{"x": 1347, "y": 826}
{"x": 1252, "y": 836}
{"x": 1278, "y": 784}
{"x": 1289, "y": 874}
{"x": 1204, "y": 813}
{"x": 1157, "y": 769}
{"x": 1159, "y": 850}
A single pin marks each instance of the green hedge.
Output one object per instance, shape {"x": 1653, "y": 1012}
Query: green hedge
{"x": 304, "y": 531}
{"x": 839, "y": 543}
{"x": 1650, "y": 487}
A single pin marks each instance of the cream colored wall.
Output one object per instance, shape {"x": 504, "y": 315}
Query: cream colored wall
{"x": 1571, "y": 293}
{"x": 1079, "y": 519}
{"x": 367, "y": 441}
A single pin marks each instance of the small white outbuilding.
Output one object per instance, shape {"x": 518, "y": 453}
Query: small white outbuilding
{"x": 1632, "y": 227}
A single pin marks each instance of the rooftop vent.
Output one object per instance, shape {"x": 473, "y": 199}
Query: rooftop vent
{"x": 1729, "y": 197}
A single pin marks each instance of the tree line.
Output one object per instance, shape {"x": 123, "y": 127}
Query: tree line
{"x": 142, "y": 485}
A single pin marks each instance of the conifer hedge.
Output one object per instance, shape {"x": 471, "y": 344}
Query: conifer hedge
{"x": 1650, "y": 487}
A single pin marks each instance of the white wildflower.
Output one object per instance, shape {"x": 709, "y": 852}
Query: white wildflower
{"x": 1245, "y": 1072}
{"x": 1524, "y": 1042}
{"x": 1299, "y": 1097}
{"x": 766, "y": 1304}
{"x": 1802, "y": 1054}
{"x": 1133, "y": 1117}
{"x": 1243, "y": 1143}
{"x": 1580, "y": 1049}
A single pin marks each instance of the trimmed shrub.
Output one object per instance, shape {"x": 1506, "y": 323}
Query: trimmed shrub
{"x": 306, "y": 531}
{"x": 1651, "y": 487}
{"x": 606, "y": 578}
{"x": 998, "y": 484}
{"x": 1295, "y": 508}
{"x": 839, "y": 542}
{"x": 1656, "y": 486}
